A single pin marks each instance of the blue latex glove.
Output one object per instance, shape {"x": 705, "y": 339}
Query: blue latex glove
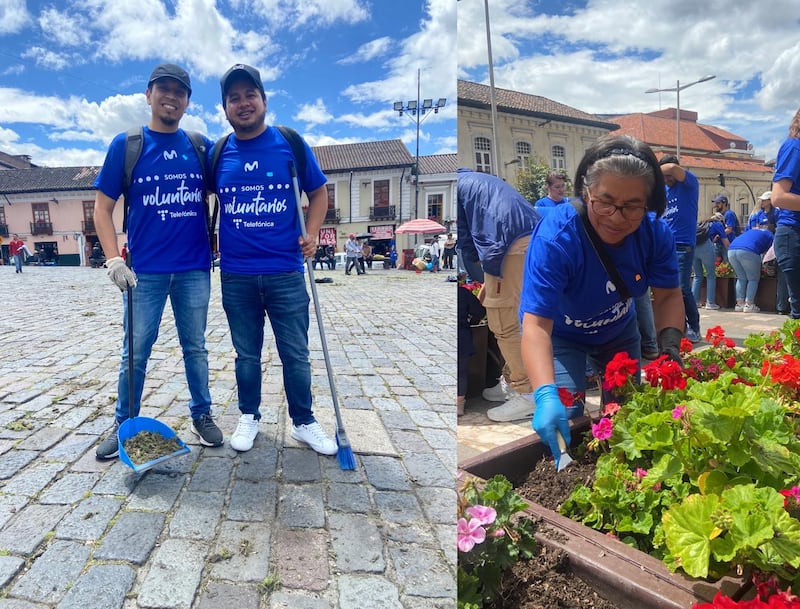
{"x": 550, "y": 416}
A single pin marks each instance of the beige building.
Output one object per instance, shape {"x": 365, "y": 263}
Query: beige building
{"x": 371, "y": 191}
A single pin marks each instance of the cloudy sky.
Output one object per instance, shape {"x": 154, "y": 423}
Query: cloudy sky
{"x": 73, "y": 73}
{"x": 600, "y": 56}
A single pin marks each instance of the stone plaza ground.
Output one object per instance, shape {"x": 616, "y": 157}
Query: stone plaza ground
{"x": 278, "y": 526}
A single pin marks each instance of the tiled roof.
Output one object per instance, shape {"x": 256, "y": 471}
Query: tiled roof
{"x": 46, "y": 179}
{"x": 514, "y": 102}
{"x": 722, "y": 163}
{"x": 387, "y": 154}
{"x": 18, "y": 161}
{"x": 438, "y": 163}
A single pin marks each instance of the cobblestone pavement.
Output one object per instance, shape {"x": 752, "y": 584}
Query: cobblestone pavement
{"x": 275, "y": 527}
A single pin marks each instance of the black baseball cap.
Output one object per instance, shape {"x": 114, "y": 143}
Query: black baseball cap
{"x": 170, "y": 70}
{"x": 236, "y": 71}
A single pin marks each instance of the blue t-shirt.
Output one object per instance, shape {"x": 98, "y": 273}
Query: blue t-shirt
{"x": 716, "y": 231}
{"x": 565, "y": 281}
{"x": 757, "y": 241}
{"x": 681, "y": 212}
{"x": 787, "y": 166}
{"x": 762, "y": 218}
{"x": 548, "y": 202}
{"x": 167, "y": 230}
{"x": 259, "y": 225}
{"x": 733, "y": 222}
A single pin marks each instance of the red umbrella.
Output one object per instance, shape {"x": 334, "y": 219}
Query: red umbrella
{"x": 421, "y": 226}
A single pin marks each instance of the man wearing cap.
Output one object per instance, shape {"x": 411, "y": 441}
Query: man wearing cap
{"x": 683, "y": 191}
{"x": 721, "y": 206}
{"x": 262, "y": 251}
{"x": 168, "y": 248}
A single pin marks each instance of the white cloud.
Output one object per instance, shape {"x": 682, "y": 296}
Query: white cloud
{"x": 369, "y": 51}
{"x": 64, "y": 28}
{"x": 303, "y": 13}
{"x": 314, "y": 114}
{"x": 13, "y": 16}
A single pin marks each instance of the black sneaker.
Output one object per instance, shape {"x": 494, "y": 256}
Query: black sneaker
{"x": 208, "y": 432}
{"x": 109, "y": 447}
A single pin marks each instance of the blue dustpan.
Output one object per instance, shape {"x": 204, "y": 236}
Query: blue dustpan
{"x": 133, "y": 425}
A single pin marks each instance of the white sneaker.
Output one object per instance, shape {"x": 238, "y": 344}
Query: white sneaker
{"x": 738, "y": 307}
{"x": 712, "y": 306}
{"x": 518, "y": 408}
{"x": 313, "y": 435}
{"x": 751, "y": 308}
{"x": 498, "y": 393}
{"x": 245, "y": 434}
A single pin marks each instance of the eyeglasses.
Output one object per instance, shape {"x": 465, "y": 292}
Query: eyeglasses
{"x": 632, "y": 213}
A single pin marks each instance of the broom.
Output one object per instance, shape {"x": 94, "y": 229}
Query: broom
{"x": 345, "y": 453}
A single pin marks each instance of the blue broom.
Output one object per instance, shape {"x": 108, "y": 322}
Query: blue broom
{"x": 345, "y": 453}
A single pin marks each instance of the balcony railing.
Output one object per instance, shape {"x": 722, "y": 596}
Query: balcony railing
{"x": 382, "y": 213}
{"x": 3, "y": 230}
{"x": 332, "y": 216}
{"x": 88, "y": 227}
{"x": 41, "y": 228}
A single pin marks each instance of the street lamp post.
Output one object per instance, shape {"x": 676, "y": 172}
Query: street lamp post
{"x": 418, "y": 113}
{"x": 678, "y": 88}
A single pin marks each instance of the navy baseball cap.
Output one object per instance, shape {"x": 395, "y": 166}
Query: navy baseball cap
{"x": 720, "y": 199}
{"x": 170, "y": 70}
{"x": 238, "y": 70}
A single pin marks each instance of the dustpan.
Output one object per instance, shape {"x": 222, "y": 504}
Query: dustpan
{"x": 135, "y": 425}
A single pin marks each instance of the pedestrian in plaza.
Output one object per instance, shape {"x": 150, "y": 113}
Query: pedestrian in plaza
{"x": 494, "y": 227}
{"x": 683, "y": 191}
{"x": 709, "y": 232}
{"x": 556, "y": 184}
{"x": 436, "y": 253}
{"x": 169, "y": 249}
{"x": 448, "y": 252}
{"x": 786, "y": 196}
{"x": 765, "y": 215}
{"x": 263, "y": 250}
{"x": 573, "y": 308}
{"x": 366, "y": 254}
{"x": 16, "y": 249}
{"x": 352, "y": 251}
{"x": 731, "y": 220}
{"x": 745, "y": 255}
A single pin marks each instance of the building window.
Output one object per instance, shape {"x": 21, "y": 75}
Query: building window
{"x": 483, "y": 154}
{"x": 331, "y": 195}
{"x": 41, "y": 213}
{"x": 2, "y": 215}
{"x": 523, "y": 153}
{"x": 435, "y": 206}
{"x": 559, "y": 158}
{"x": 380, "y": 193}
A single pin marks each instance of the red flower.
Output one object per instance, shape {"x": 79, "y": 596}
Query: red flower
{"x": 619, "y": 370}
{"x": 566, "y": 397}
{"x": 786, "y": 372}
{"x": 713, "y": 335}
{"x": 686, "y": 346}
{"x": 730, "y": 362}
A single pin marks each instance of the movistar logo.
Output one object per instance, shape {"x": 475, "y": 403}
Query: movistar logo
{"x": 170, "y": 154}
{"x": 251, "y": 166}
{"x": 610, "y": 287}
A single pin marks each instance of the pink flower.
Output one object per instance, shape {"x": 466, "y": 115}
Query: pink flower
{"x": 611, "y": 408}
{"x": 483, "y": 514}
{"x": 640, "y": 473}
{"x": 602, "y": 429}
{"x": 677, "y": 412}
{"x": 498, "y": 532}
{"x": 469, "y": 533}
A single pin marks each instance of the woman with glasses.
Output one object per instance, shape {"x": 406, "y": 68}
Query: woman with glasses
{"x": 572, "y": 310}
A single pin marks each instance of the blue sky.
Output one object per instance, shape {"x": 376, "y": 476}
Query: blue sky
{"x": 73, "y": 73}
{"x": 600, "y": 56}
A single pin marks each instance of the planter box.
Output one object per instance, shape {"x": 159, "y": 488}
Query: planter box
{"x": 767, "y": 293}
{"x": 725, "y": 293}
{"x": 626, "y": 577}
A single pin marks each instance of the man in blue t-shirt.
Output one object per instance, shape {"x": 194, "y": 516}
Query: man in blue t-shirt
{"x": 262, "y": 252}
{"x": 722, "y": 206}
{"x": 683, "y": 191}
{"x": 556, "y": 183}
{"x": 168, "y": 249}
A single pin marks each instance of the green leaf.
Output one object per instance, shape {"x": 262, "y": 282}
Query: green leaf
{"x": 713, "y": 482}
{"x": 688, "y": 529}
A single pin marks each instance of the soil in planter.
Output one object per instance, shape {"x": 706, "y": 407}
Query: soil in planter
{"x": 549, "y": 488}
{"x": 146, "y": 446}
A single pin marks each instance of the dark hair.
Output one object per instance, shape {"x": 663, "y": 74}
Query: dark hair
{"x": 625, "y": 156}
{"x": 553, "y": 176}
{"x": 669, "y": 158}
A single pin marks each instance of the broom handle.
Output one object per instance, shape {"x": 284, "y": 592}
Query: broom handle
{"x": 130, "y": 353}
{"x": 310, "y": 267}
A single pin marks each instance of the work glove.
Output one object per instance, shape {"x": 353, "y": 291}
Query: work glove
{"x": 670, "y": 340}
{"x": 120, "y": 274}
{"x": 550, "y": 417}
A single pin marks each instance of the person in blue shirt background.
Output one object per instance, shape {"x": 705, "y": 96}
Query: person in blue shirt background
{"x": 571, "y": 310}
{"x": 766, "y": 216}
{"x": 705, "y": 261}
{"x": 786, "y": 196}
{"x": 745, "y": 255}
{"x": 556, "y": 183}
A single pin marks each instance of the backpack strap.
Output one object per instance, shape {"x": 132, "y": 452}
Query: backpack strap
{"x": 133, "y": 149}
{"x": 216, "y": 151}
{"x": 298, "y": 150}
{"x": 199, "y": 144}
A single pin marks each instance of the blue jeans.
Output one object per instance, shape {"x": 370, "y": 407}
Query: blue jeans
{"x": 247, "y": 299}
{"x": 782, "y": 295}
{"x": 188, "y": 293}
{"x": 705, "y": 255}
{"x": 646, "y": 323}
{"x": 747, "y": 266}
{"x": 787, "y": 251}
{"x": 18, "y": 262}
{"x": 571, "y": 358}
{"x": 685, "y": 262}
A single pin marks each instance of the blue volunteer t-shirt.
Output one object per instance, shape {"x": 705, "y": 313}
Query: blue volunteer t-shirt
{"x": 549, "y": 202}
{"x": 733, "y": 222}
{"x": 716, "y": 231}
{"x": 259, "y": 225}
{"x": 565, "y": 281}
{"x": 756, "y": 241}
{"x": 681, "y": 212}
{"x": 167, "y": 230}
{"x": 787, "y": 166}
